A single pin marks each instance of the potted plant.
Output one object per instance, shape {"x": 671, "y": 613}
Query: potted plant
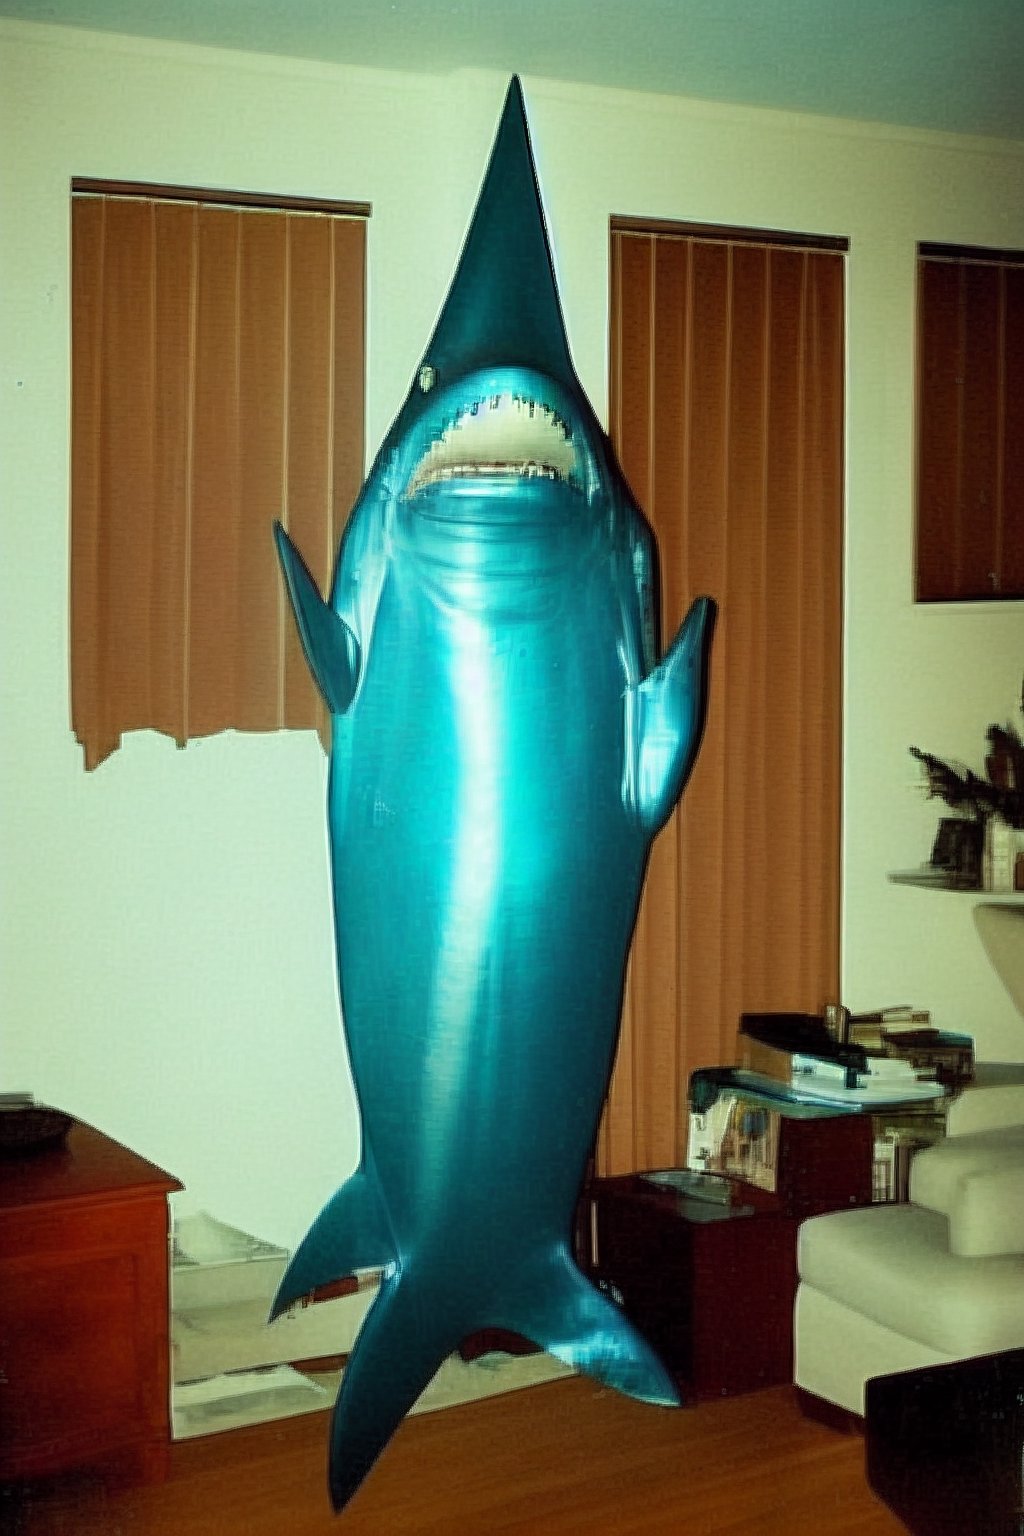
{"x": 979, "y": 846}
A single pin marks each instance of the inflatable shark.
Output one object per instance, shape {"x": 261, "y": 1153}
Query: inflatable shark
{"x": 506, "y": 744}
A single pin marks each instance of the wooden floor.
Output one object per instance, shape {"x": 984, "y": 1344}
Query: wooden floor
{"x": 565, "y": 1457}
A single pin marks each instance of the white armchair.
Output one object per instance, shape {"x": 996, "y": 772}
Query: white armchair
{"x": 892, "y": 1287}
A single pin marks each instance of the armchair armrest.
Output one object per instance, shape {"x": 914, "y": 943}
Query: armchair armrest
{"x": 986, "y": 1212}
{"x": 986, "y": 1107}
{"x": 977, "y": 1182}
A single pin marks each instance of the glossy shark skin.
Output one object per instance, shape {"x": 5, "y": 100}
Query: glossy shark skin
{"x": 506, "y": 744}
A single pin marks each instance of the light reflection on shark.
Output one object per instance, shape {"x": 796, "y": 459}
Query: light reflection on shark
{"x": 506, "y": 744}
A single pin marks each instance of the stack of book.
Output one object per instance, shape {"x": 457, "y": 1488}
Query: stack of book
{"x": 796, "y": 1051}
{"x": 907, "y": 1034}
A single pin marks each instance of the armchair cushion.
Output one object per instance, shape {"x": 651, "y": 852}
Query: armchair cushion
{"x": 892, "y": 1264}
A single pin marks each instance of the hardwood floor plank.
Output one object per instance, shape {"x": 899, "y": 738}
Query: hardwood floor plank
{"x": 560, "y": 1459}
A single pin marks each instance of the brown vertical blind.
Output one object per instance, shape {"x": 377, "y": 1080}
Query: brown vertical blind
{"x": 727, "y": 415}
{"x": 970, "y": 424}
{"x": 217, "y": 384}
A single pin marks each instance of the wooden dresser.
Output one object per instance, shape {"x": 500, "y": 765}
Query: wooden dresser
{"x": 84, "y": 1353}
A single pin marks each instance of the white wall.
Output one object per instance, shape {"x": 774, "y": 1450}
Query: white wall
{"x": 165, "y": 944}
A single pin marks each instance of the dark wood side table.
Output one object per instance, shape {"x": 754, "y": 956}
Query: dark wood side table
{"x": 706, "y": 1285}
{"x": 84, "y": 1309}
{"x": 711, "y": 1286}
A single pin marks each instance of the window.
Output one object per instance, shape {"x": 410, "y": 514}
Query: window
{"x": 217, "y": 384}
{"x": 727, "y": 414}
{"x": 970, "y": 424}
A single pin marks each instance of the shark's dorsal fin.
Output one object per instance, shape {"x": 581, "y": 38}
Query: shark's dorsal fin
{"x": 330, "y": 647}
{"x": 506, "y": 253}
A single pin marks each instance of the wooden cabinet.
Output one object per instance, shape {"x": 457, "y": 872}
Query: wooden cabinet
{"x": 712, "y": 1287}
{"x": 84, "y": 1304}
{"x": 707, "y": 1288}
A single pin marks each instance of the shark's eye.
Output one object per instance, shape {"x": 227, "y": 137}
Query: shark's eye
{"x": 499, "y": 436}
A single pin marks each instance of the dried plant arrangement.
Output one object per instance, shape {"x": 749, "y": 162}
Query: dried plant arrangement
{"x": 1000, "y": 794}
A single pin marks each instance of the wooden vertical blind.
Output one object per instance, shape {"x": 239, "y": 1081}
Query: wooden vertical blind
{"x": 217, "y": 384}
{"x": 970, "y": 424}
{"x": 727, "y": 415}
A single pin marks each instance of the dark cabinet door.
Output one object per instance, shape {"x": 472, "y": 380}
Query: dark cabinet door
{"x": 713, "y": 1297}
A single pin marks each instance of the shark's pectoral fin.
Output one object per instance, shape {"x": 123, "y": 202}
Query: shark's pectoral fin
{"x": 668, "y": 715}
{"x": 400, "y": 1347}
{"x": 558, "y": 1308}
{"x": 352, "y": 1232}
{"x": 330, "y": 647}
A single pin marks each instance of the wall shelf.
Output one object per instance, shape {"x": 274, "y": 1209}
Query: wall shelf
{"x": 928, "y": 878}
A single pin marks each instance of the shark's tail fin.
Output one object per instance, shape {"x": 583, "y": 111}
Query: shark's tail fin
{"x": 556, "y": 1307}
{"x": 411, "y": 1329}
{"x": 400, "y": 1347}
{"x": 351, "y": 1233}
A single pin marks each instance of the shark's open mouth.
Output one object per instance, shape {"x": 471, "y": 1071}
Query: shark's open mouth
{"x": 503, "y": 435}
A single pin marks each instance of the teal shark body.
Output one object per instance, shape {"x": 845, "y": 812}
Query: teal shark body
{"x": 506, "y": 744}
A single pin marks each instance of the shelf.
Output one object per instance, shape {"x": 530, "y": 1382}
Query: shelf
{"x": 929, "y": 879}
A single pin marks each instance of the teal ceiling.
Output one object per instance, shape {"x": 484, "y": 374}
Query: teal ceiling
{"x": 956, "y": 65}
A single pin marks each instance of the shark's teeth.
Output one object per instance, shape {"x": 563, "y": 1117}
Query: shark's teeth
{"x": 503, "y": 435}
{"x": 482, "y": 470}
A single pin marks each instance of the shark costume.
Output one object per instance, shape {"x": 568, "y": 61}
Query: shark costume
{"x": 506, "y": 744}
